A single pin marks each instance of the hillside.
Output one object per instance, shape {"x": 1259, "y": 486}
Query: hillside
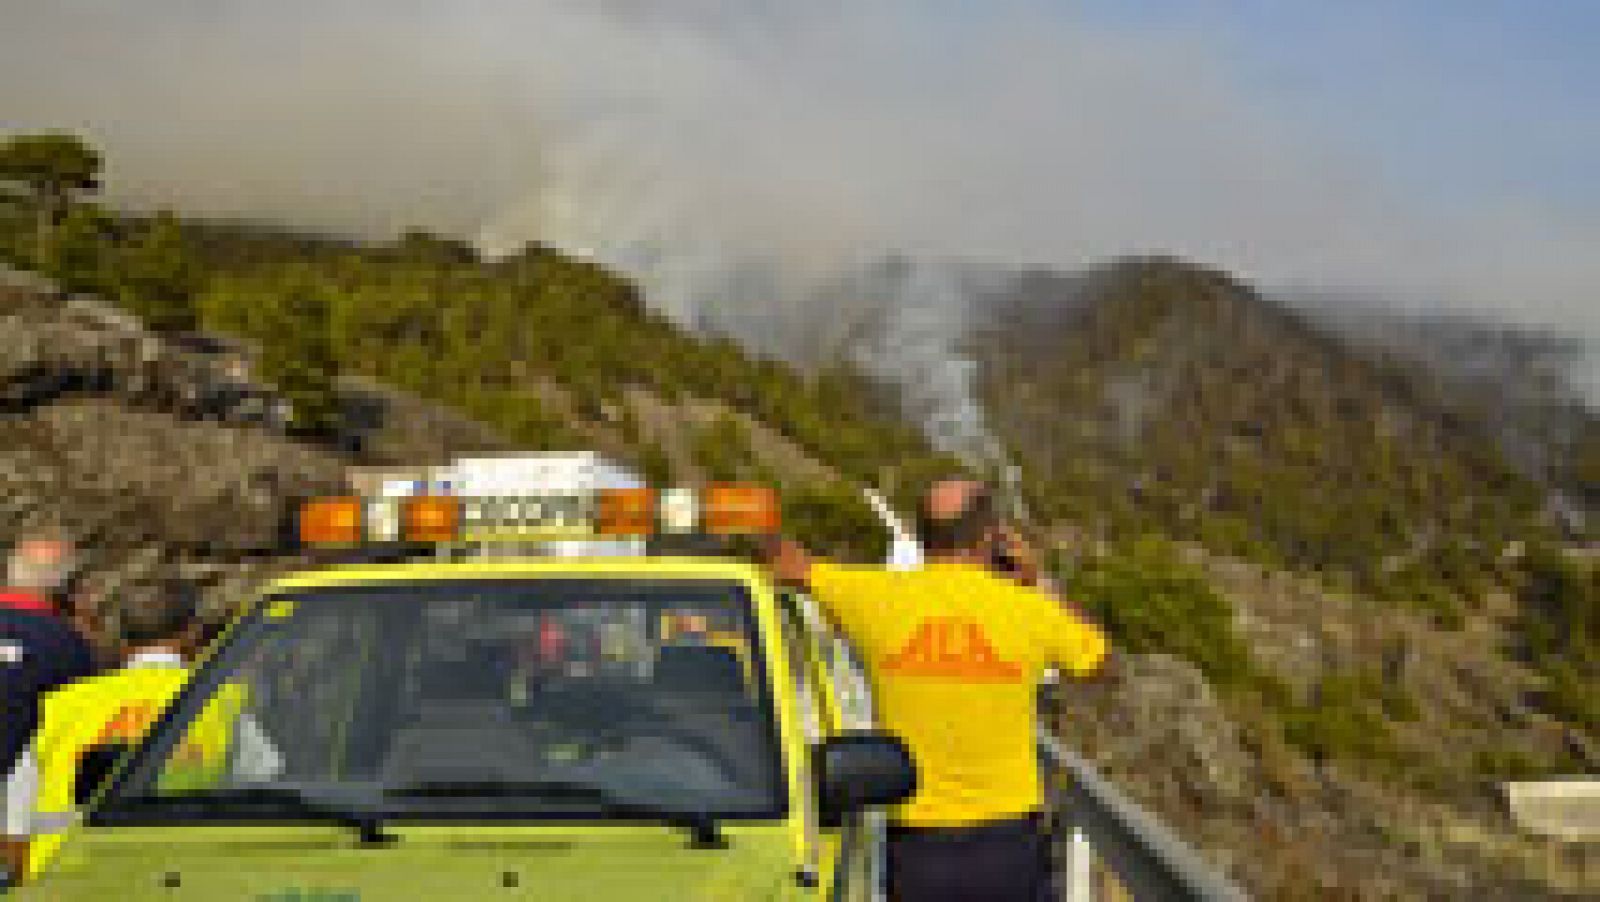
{"x": 1170, "y": 394}
{"x": 1156, "y": 396}
{"x": 1299, "y": 544}
{"x": 1333, "y": 536}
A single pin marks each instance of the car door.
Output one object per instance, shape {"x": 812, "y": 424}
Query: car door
{"x": 832, "y": 699}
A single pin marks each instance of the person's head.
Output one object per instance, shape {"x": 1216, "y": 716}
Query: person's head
{"x": 43, "y": 562}
{"x": 957, "y": 518}
{"x": 164, "y": 613}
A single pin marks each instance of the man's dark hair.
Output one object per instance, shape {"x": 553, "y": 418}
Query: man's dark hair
{"x": 966, "y": 529}
{"x": 160, "y": 611}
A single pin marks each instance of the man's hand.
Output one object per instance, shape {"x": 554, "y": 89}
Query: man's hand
{"x": 1016, "y": 549}
{"x": 1030, "y": 573}
{"x": 789, "y": 562}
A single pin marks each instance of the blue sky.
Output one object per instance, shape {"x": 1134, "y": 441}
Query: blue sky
{"x": 1449, "y": 96}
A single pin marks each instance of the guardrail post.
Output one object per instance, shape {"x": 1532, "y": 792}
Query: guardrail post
{"x": 1080, "y": 867}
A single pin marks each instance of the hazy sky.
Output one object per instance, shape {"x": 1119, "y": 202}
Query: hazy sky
{"x": 1438, "y": 150}
{"x": 1481, "y": 97}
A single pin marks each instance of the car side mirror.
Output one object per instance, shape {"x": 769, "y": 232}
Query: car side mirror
{"x": 855, "y": 771}
{"x": 94, "y": 767}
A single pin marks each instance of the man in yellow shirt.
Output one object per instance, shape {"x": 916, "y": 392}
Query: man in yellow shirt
{"x": 955, "y": 652}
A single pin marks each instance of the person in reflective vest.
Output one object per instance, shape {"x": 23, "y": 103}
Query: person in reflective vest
{"x": 87, "y": 724}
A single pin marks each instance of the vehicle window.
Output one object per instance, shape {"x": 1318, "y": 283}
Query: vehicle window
{"x": 543, "y": 697}
{"x": 849, "y": 678}
{"x": 808, "y": 699}
{"x": 831, "y": 661}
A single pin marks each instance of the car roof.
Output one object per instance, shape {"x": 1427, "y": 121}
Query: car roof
{"x": 522, "y": 568}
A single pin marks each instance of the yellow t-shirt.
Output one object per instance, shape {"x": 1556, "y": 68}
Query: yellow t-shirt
{"x": 955, "y": 655}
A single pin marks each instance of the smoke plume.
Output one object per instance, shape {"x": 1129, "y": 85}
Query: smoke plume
{"x": 753, "y": 162}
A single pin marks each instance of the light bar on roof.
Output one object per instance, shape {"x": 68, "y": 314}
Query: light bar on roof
{"x": 537, "y": 517}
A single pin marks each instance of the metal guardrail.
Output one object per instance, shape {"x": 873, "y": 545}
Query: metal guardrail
{"x": 1104, "y": 826}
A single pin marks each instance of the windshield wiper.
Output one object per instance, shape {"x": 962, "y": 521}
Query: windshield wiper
{"x": 367, "y": 824}
{"x": 702, "y": 827}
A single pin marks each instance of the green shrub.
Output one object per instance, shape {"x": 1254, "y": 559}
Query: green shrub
{"x": 1150, "y": 601}
{"x": 1560, "y": 623}
{"x": 1343, "y": 720}
{"x": 1507, "y": 764}
{"x": 77, "y": 253}
{"x": 722, "y": 449}
{"x": 288, "y": 316}
{"x": 155, "y": 276}
{"x": 654, "y": 464}
{"x": 1572, "y": 691}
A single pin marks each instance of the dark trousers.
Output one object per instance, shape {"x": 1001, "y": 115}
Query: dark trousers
{"x": 996, "y": 861}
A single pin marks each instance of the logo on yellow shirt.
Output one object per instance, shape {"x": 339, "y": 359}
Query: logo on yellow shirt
{"x": 131, "y": 721}
{"x": 952, "y": 647}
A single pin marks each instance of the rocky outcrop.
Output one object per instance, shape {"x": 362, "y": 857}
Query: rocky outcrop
{"x": 162, "y": 454}
{"x": 51, "y": 349}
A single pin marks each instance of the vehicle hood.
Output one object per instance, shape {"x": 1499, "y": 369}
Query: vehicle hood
{"x": 437, "y": 863}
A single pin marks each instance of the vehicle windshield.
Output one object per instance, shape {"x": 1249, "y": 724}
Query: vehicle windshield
{"x": 537, "y": 698}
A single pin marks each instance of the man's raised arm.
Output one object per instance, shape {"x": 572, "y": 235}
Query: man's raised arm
{"x": 789, "y": 562}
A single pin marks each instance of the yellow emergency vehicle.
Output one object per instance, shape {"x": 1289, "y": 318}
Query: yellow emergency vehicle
{"x": 402, "y": 766}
